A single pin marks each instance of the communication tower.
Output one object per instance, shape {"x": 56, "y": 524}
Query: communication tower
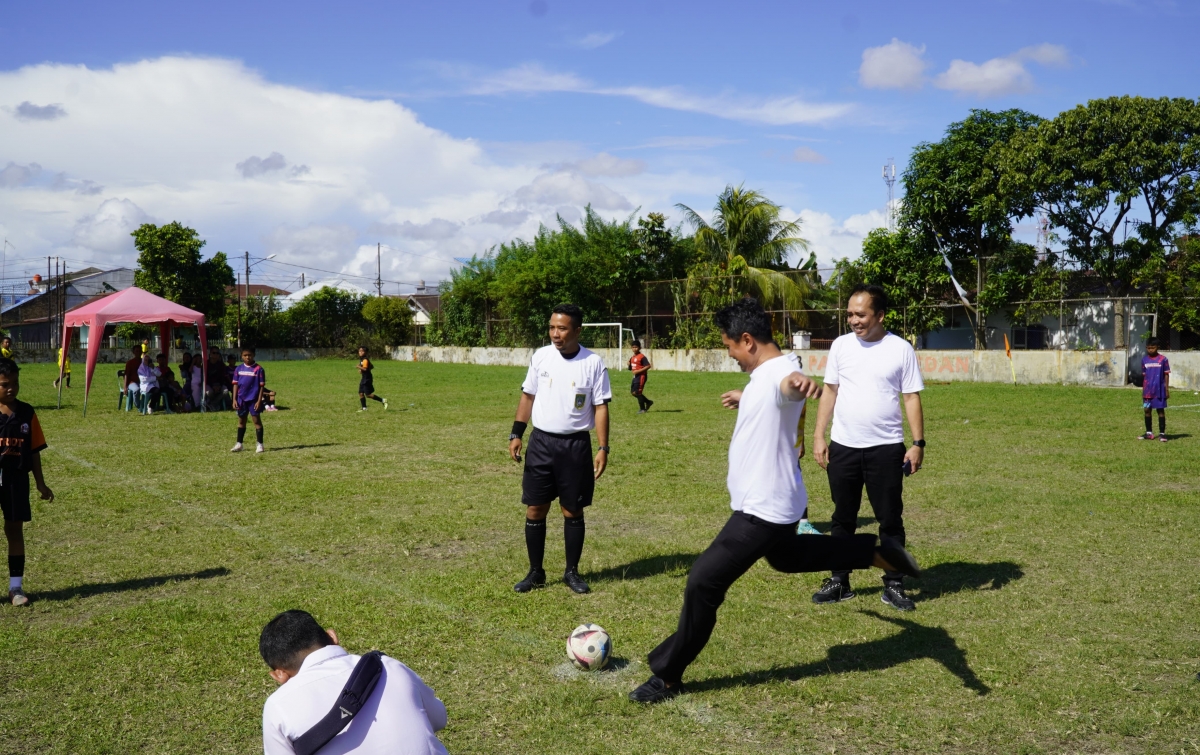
{"x": 889, "y": 178}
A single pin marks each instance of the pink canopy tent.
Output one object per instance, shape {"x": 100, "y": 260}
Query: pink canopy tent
{"x": 131, "y": 305}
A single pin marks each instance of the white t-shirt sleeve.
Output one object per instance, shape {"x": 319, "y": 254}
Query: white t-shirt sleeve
{"x": 831, "y": 365}
{"x": 435, "y": 709}
{"x": 274, "y": 740}
{"x": 601, "y": 390}
{"x": 531, "y": 377}
{"x": 910, "y": 372}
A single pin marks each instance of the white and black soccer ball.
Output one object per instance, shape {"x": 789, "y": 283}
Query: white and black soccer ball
{"x": 589, "y": 647}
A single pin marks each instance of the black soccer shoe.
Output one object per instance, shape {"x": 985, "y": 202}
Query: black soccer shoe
{"x": 893, "y": 595}
{"x": 899, "y": 559}
{"x": 534, "y": 579}
{"x": 833, "y": 591}
{"x": 577, "y": 585}
{"x": 655, "y": 690}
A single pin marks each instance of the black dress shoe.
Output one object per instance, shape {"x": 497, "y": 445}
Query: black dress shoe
{"x": 571, "y": 577}
{"x": 655, "y": 690}
{"x": 534, "y": 579}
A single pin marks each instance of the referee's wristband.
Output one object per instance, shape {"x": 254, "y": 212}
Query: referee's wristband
{"x": 518, "y": 430}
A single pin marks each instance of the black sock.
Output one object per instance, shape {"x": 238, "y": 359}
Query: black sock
{"x": 573, "y": 532}
{"x": 258, "y": 435}
{"x": 1162, "y": 424}
{"x": 1149, "y": 426}
{"x": 376, "y": 398}
{"x": 362, "y": 401}
{"x": 535, "y": 542}
{"x": 16, "y": 566}
{"x": 241, "y": 434}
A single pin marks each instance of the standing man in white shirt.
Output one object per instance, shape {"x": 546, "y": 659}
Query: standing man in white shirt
{"x": 565, "y": 394}
{"x": 766, "y": 494}
{"x": 867, "y": 373}
{"x": 399, "y": 717}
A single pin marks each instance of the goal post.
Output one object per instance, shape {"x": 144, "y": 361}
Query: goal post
{"x": 620, "y": 331}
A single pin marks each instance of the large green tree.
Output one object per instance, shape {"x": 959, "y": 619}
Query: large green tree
{"x": 916, "y": 282}
{"x": 169, "y": 265}
{"x": 390, "y": 319}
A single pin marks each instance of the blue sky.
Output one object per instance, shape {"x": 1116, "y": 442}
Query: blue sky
{"x": 314, "y": 130}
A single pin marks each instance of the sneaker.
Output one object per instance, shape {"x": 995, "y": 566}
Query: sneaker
{"x": 1147, "y": 436}
{"x": 259, "y": 448}
{"x": 577, "y": 585}
{"x": 18, "y": 597}
{"x": 236, "y": 447}
{"x": 893, "y": 595}
{"x": 649, "y": 404}
{"x": 655, "y": 690}
{"x": 534, "y": 579}
{"x": 362, "y": 408}
{"x": 805, "y": 528}
{"x": 641, "y": 411}
{"x": 385, "y": 404}
{"x": 833, "y": 591}
{"x": 1162, "y": 437}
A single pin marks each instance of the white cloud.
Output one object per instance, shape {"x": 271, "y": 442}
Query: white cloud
{"x": 506, "y": 218}
{"x": 27, "y": 111}
{"x": 558, "y": 188}
{"x": 896, "y": 65}
{"x": 604, "y": 164}
{"x": 436, "y": 229}
{"x": 594, "y": 40}
{"x": 831, "y": 239}
{"x": 1000, "y": 76}
{"x": 108, "y": 229}
{"x": 531, "y": 78}
{"x": 808, "y": 155}
{"x": 253, "y": 167}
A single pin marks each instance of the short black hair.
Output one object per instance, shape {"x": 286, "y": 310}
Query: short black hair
{"x": 879, "y": 297}
{"x": 249, "y": 349}
{"x": 6, "y": 338}
{"x": 288, "y": 635}
{"x": 570, "y": 310}
{"x": 745, "y": 316}
{"x": 160, "y": 355}
{"x": 1152, "y": 341}
{"x": 636, "y": 343}
{"x": 9, "y": 368}
{"x": 136, "y": 349}
{"x": 363, "y": 348}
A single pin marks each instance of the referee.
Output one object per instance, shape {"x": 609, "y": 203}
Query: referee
{"x": 867, "y": 373}
{"x": 565, "y": 394}
{"x": 767, "y": 495}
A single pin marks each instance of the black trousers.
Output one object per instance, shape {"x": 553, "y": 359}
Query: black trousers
{"x": 742, "y": 541}
{"x": 881, "y": 470}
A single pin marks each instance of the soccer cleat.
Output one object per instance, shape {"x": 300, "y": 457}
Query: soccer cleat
{"x": 534, "y": 579}
{"x": 833, "y": 591}
{"x": 655, "y": 690}
{"x": 805, "y": 528}
{"x": 641, "y": 411}
{"x": 259, "y": 448}
{"x": 649, "y": 404}
{"x": 362, "y": 408}
{"x": 236, "y": 447}
{"x": 893, "y": 595}
{"x": 18, "y": 597}
{"x": 1147, "y": 436}
{"x": 385, "y": 405}
{"x": 577, "y": 585}
{"x": 897, "y": 558}
{"x": 1162, "y": 437}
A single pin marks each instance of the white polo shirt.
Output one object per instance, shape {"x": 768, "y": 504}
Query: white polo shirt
{"x": 870, "y": 376}
{"x": 566, "y": 391}
{"x": 400, "y": 716}
{"x": 764, "y": 479}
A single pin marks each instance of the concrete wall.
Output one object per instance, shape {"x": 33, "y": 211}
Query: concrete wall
{"x": 1099, "y": 368}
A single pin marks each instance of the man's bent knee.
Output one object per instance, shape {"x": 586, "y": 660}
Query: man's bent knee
{"x": 537, "y": 513}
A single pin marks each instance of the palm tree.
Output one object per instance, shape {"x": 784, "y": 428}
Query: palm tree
{"x": 748, "y": 238}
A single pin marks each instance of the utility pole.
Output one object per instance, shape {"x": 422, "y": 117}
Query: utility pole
{"x": 49, "y": 311}
{"x": 238, "y": 288}
{"x": 378, "y": 277}
{"x": 301, "y": 280}
{"x": 247, "y": 280}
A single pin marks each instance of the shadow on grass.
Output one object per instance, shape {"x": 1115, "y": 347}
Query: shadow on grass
{"x": 128, "y": 585}
{"x": 302, "y": 445}
{"x": 646, "y": 567}
{"x": 956, "y": 576}
{"x": 668, "y": 411}
{"x": 913, "y": 643}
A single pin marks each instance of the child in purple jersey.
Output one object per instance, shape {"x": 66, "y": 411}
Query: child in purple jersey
{"x": 1156, "y": 388}
{"x": 248, "y": 394}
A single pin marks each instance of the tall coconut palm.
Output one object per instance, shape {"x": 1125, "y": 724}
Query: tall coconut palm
{"x": 748, "y": 238}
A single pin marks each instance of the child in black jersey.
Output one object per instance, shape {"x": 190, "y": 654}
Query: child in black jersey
{"x": 366, "y": 382}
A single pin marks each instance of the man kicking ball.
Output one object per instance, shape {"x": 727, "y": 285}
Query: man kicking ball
{"x": 767, "y": 497}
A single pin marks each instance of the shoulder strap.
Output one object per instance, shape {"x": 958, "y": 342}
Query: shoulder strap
{"x": 354, "y": 695}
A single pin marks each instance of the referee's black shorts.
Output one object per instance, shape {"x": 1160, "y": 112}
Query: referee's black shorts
{"x": 558, "y": 466}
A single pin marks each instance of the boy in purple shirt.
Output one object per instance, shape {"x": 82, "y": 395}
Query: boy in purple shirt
{"x": 248, "y": 381}
{"x": 1156, "y": 388}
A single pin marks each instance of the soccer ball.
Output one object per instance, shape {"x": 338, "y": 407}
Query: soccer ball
{"x": 589, "y": 647}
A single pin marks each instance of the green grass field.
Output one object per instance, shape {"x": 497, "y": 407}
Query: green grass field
{"x": 1058, "y": 612}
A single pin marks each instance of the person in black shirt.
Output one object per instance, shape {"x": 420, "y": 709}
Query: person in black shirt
{"x": 366, "y": 383}
{"x": 21, "y": 443}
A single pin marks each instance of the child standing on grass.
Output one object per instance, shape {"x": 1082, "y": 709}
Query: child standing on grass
{"x": 21, "y": 444}
{"x": 248, "y": 381}
{"x": 366, "y": 383}
{"x": 1156, "y": 388}
{"x": 639, "y": 365}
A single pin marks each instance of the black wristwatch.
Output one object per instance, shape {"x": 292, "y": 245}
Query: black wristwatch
{"x": 514, "y": 436}
{"x": 605, "y": 449}
{"x": 919, "y": 443}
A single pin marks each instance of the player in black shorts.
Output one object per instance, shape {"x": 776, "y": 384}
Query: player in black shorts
{"x": 366, "y": 383}
{"x": 21, "y": 444}
{"x": 565, "y": 395}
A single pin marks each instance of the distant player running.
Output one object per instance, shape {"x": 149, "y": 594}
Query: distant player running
{"x": 249, "y": 380}
{"x": 1156, "y": 388}
{"x": 639, "y": 365}
{"x": 366, "y": 382}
